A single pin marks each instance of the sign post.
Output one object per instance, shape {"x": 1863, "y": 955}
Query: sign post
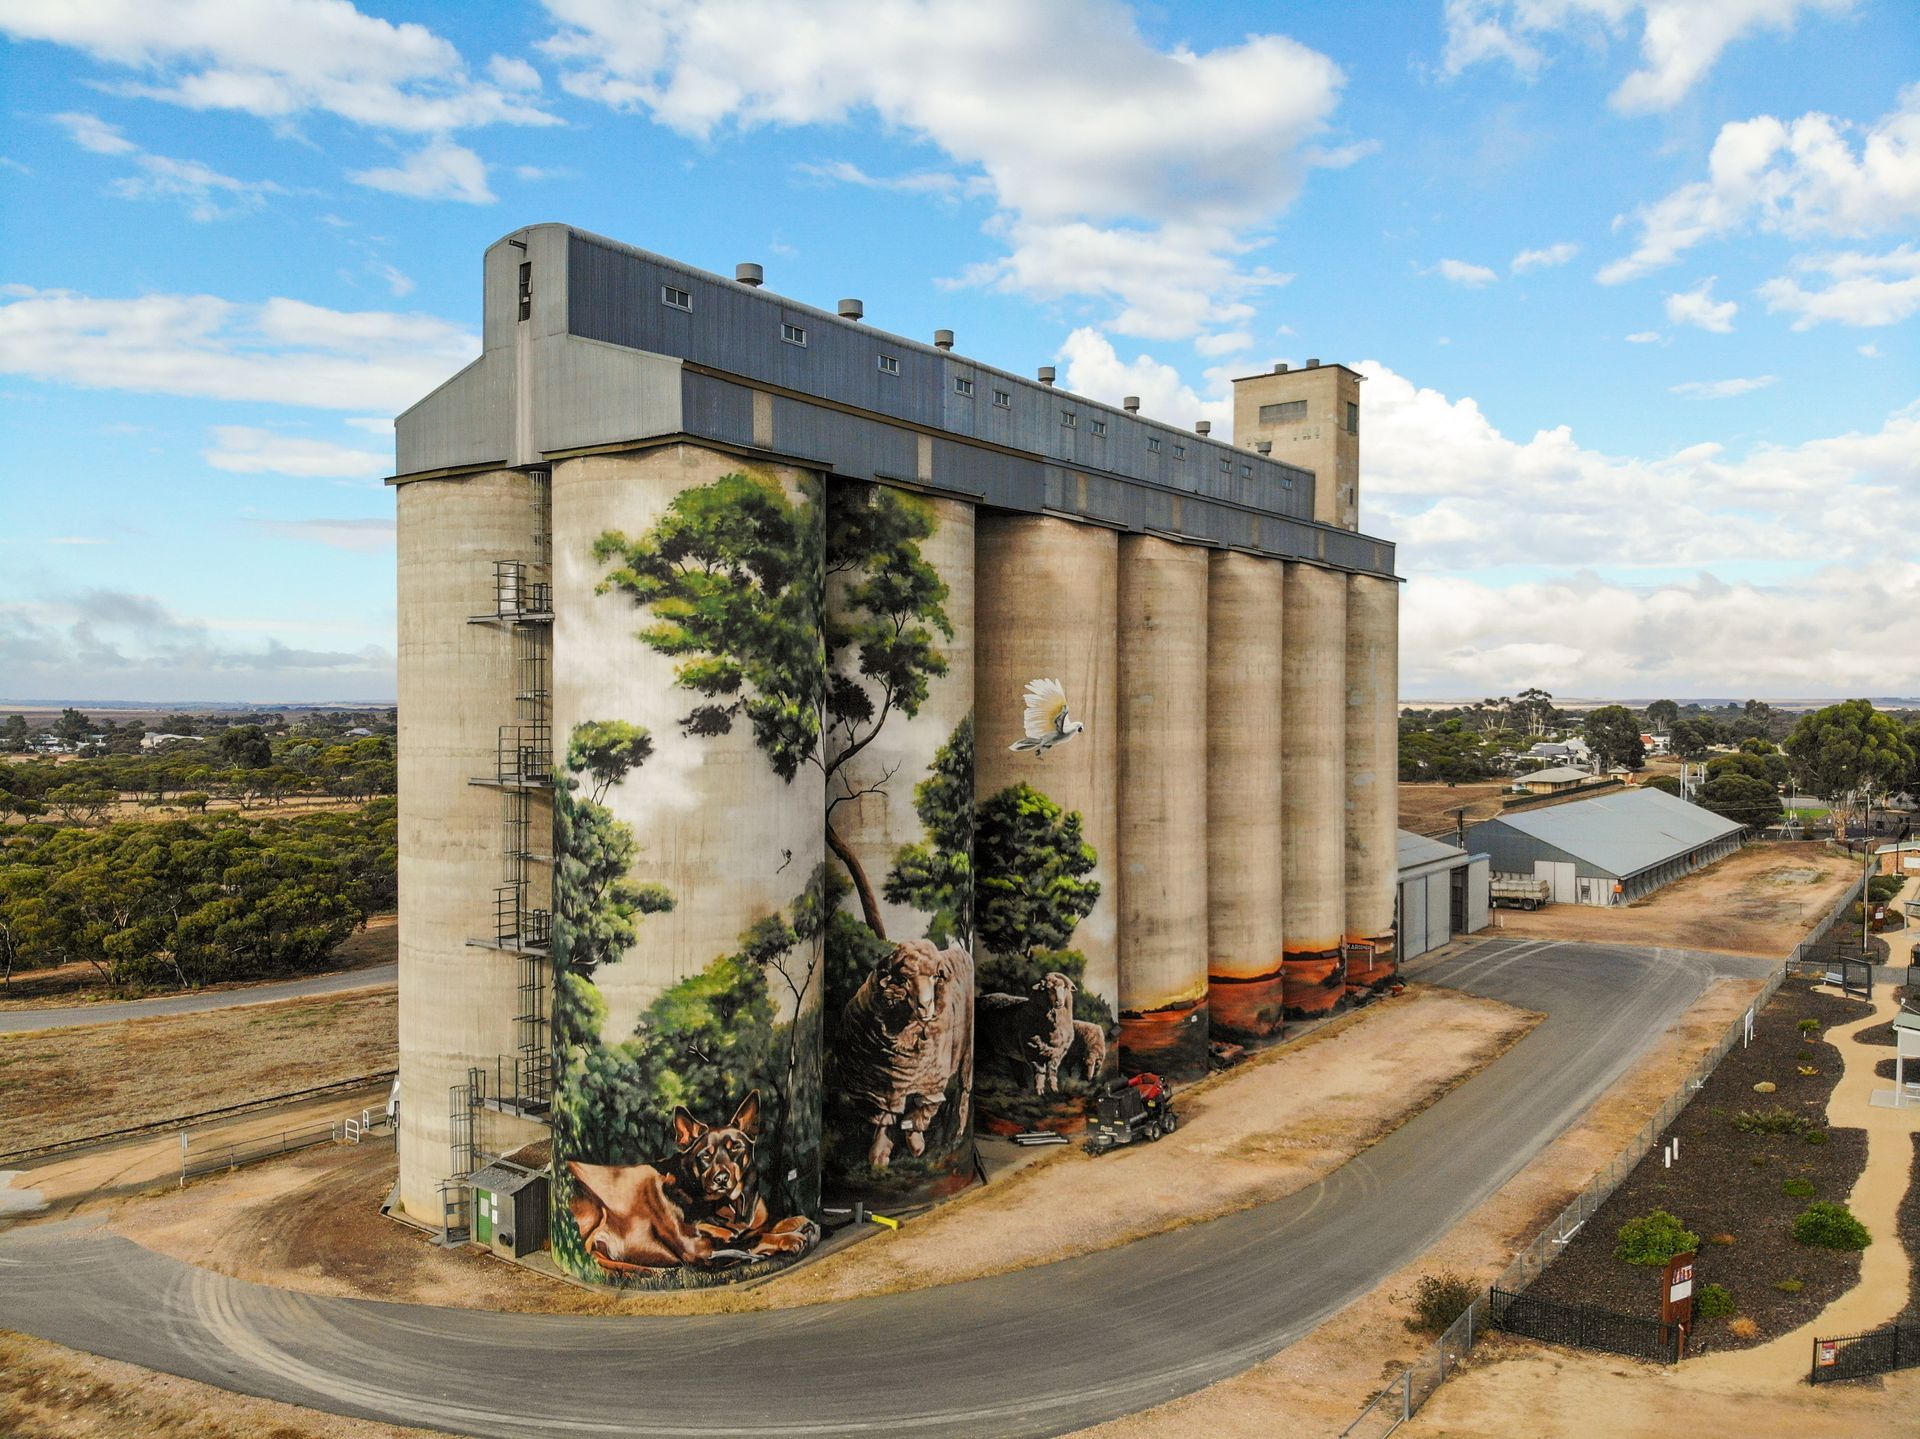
{"x": 1676, "y": 1296}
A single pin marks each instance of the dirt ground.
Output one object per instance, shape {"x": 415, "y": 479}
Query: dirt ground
{"x": 1429, "y": 808}
{"x": 1760, "y": 900}
{"x": 259, "y": 1224}
{"x": 1319, "y": 1385}
{"x": 375, "y": 942}
{"x": 47, "y": 1392}
{"x": 67, "y": 1083}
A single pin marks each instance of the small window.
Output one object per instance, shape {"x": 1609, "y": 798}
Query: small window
{"x": 1099, "y": 427}
{"x": 1353, "y": 418}
{"x": 1179, "y": 452}
{"x": 1226, "y": 465}
{"x": 1153, "y": 444}
{"x": 1246, "y": 472}
{"x": 1283, "y": 413}
{"x": 1003, "y": 399}
{"x": 962, "y": 386}
{"x": 889, "y": 365}
{"x": 675, "y": 298}
{"x": 793, "y": 334}
{"x": 526, "y": 289}
{"x": 1069, "y": 419}
{"x": 1286, "y": 482}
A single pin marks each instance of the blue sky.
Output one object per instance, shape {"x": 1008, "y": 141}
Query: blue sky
{"x": 1634, "y": 283}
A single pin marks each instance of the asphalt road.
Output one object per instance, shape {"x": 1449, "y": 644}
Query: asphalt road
{"x": 28, "y": 1021}
{"x": 1038, "y": 1352}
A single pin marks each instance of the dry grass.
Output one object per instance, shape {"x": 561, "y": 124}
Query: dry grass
{"x": 66, "y": 1083}
{"x": 49, "y": 1392}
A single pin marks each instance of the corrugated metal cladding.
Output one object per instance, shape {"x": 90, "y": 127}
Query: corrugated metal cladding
{"x": 1076, "y": 456}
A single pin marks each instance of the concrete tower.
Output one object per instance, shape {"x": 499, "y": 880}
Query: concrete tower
{"x": 1311, "y": 418}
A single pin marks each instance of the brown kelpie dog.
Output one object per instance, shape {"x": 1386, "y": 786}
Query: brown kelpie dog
{"x": 701, "y": 1208}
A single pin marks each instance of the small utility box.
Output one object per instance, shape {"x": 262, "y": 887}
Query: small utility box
{"x": 509, "y": 1208}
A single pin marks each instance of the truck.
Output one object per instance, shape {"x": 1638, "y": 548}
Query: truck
{"x": 1519, "y": 891}
{"x": 1142, "y": 1108}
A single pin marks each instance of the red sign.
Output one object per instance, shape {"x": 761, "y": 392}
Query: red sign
{"x": 1676, "y": 1291}
{"x": 1824, "y": 1355}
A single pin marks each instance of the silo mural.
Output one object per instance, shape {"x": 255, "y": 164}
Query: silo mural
{"x": 899, "y": 820}
{"x": 1313, "y": 790}
{"x": 1163, "y": 807}
{"x": 1046, "y": 828}
{"x": 690, "y": 691}
{"x": 1373, "y": 770}
{"x": 1245, "y": 988}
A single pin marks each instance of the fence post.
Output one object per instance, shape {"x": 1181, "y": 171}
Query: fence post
{"x": 1406, "y": 1397}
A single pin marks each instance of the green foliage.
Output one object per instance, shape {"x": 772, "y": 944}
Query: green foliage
{"x": 1742, "y": 799}
{"x": 1767, "y": 765}
{"x": 1774, "y": 1119}
{"x": 936, "y": 874}
{"x": 1809, "y": 1026}
{"x": 1849, "y": 750}
{"x": 595, "y": 901}
{"x": 1790, "y": 1286}
{"x": 608, "y": 750}
{"x": 1661, "y": 714}
{"x": 1713, "y": 1302}
{"x": 733, "y": 576}
{"x": 1654, "y": 1239}
{"x": 1613, "y": 733}
{"x": 1439, "y": 1299}
{"x": 1825, "y": 1224}
{"x": 1442, "y": 749}
{"x": 1665, "y": 783}
{"x": 1031, "y": 868}
{"x": 1882, "y": 888}
{"x": 1691, "y": 739}
{"x": 1815, "y": 1136}
{"x": 1797, "y": 1188}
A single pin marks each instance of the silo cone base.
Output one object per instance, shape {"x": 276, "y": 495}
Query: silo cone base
{"x": 1315, "y": 984}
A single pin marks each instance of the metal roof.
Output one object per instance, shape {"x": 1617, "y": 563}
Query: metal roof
{"x": 1416, "y": 851}
{"x": 502, "y": 1178}
{"x": 1558, "y": 774}
{"x": 1625, "y": 832}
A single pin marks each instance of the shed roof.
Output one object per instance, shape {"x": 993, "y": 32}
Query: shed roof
{"x": 1419, "y": 852}
{"x": 1626, "y": 832}
{"x": 1558, "y": 774}
{"x": 502, "y": 1178}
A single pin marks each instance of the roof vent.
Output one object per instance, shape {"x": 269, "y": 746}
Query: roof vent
{"x": 1046, "y": 374}
{"x": 1281, "y": 368}
{"x": 943, "y": 339}
{"x": 852, "y": 310}
{"x": 1203, "y": 427}
{"x": 748, "y": 273}
{"x": 1132, "y": 404}
{"x": 1313, "y": 364}
{"x": 1265, "y": 447}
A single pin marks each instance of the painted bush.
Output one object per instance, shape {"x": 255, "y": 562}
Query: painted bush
{"x": 898, "y": 745}
{"x": 691, "y": 900}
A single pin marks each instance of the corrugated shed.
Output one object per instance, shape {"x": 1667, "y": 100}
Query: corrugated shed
{"x": 1624, "y": 833}
{"x": 1416, "y": 850}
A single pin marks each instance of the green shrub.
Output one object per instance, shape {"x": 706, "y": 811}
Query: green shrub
{"x": 1789, "y": 1286}
{"x": 1809, "y": 1026}
{"x": 1774, "y": 1119}
{"x": 1713, "y": 1302}
{"x": 1797, "y": 1188}
{"x": 1827, "y": 1225}
{"x": 1654, "y": 1239}
{"x": 1439, "y": 1299}
{"x": 1815, "y": 1136}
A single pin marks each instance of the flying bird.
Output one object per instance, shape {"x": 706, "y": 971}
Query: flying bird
{"x": 1047, "y": 720}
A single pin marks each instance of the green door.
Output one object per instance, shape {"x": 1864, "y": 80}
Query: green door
{"x": 483, "y": 1216}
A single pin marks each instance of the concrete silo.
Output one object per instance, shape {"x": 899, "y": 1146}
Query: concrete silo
{"x": 469, "y": 559}
{"x": 1313, "y": 789}
{"x": 1245, "y": 893}
{"x": 1372, "y": 778}
{"x": 1163, "y": 807}
{"x": 1046, "y": 850}
{"x": 688, "y": 677}
{"x": 899, "y": 825}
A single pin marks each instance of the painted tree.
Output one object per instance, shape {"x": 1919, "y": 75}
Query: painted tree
{"x": 734, "y": 575}
{"x": 935, "y": 875}
{"x": 1848, "y": 753}
{"x": 608, "y": 750}
{"x": 1031, "y": 868}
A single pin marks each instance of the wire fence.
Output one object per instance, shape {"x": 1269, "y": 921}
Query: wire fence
{"x": 210, "y": 1154}
{"x": 1402, "y": 1399}
{"x": 1860, "y": 1356}
{"x": 1584, "y": 1326}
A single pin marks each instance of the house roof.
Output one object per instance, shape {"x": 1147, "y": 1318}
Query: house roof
{"x": 1623, "y": 833}
{"x": 1559, "y": 774}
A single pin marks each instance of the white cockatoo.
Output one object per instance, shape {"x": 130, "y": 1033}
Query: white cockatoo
{"x": 1047, "y": 720}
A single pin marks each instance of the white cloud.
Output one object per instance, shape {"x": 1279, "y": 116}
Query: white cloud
{"x": 207, "y": 194}
{"x": 1643, "y": 337}
{"x": 1229, "y": 342}
{"x": 1546, "y": 258}
{"x": 1118, "y": 169}
{"x": 536, "y": 172}
{"x": 1680, "y": 40}
{"x": 1462, "y": 272}
{"x": 440, "y": 170}
{"x": 1796, "y": 178}
{"x": 941, "y": 183}
{"x": 283, "y": 351}
{"x": 1699, "y": 308}
{"x": 365, "y": 536}
{"x": 1857, "y": 294}
{"x": 512, "y": 73}
{"x": 248, "y": 450}
{"x": 1722, "y": 389}
{"x": 1095, "y": 369}
{"x": 372, "y": 424}
{"x": 278, "y": 59}
{"x": 398, "y": 281}
{"x": 1871, "y": 351}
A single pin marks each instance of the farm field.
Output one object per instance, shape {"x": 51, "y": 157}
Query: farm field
{"x": 1761, "y": 900}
